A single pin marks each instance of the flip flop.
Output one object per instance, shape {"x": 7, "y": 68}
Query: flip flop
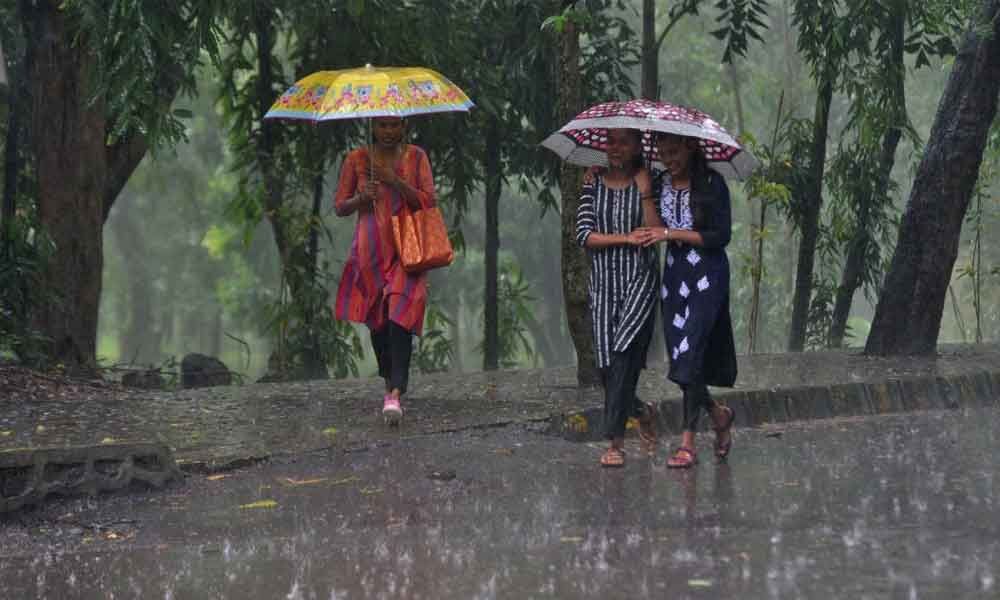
{"x": 682, "y": 458}
{"x": 613, "y": 458}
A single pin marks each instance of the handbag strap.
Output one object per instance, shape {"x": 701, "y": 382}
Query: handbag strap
{"x": 414, "y": 167}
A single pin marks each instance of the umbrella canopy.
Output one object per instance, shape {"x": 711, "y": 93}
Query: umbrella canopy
{"x": 369, "y": 92}
{"x": 583, "y": 141}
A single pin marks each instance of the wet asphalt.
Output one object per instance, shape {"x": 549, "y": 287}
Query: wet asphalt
{"x": 882, "y": 507}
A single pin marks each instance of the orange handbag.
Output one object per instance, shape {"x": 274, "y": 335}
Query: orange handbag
{"x": 421, "y": 238}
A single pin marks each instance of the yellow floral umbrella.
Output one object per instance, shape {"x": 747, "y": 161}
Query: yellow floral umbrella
{"x": 367, "y": 92}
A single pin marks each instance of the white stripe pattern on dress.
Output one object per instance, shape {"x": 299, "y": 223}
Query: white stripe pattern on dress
{"x": 623, "y": 279}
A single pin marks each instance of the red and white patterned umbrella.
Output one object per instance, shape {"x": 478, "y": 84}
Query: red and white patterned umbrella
{"x": 583, "y": 141}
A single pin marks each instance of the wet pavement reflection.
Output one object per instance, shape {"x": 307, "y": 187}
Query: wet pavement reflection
{"x": 887, "y": 507}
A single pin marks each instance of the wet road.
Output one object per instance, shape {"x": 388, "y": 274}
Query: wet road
{"x": 884, "y": 507}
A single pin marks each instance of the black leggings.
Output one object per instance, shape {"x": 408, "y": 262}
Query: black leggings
{"x": 696, "y": 399}
{"x": 620, "y": 380}
{"x": 393, "y": 347}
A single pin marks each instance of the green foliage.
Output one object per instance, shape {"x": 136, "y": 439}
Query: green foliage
{"x": 820, "y": 313}
{"x": 742, "y": 21}
{"x": 307, "y": 335}
{"x": 146, "y": 52}
{"x": 515, "y": 314}
{"x": 435, "y": 350}
{"x": 23, "y": 254}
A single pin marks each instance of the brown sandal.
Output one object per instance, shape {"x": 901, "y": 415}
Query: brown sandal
{"x": 722, "y": 449}
{"x": 683, "y": 458}
{"x": 613, "y": 457}
{"x": 648, "y": 428}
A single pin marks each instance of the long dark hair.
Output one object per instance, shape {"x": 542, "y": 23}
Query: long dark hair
{"x": 701, "y": 178}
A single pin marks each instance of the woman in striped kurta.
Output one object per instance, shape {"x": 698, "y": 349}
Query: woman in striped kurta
{"x": 623, "y": 280}
{"x": 374, "y": 289}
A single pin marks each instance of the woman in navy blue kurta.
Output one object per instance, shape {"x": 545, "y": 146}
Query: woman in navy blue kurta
{"x": 694, "y": 206}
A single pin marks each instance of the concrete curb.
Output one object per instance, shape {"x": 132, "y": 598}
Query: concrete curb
{"x": 759, "y": 407}
{"x": 28, "y": 476}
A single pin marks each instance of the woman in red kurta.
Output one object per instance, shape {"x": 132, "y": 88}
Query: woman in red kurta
{"x": 374, "y": 288}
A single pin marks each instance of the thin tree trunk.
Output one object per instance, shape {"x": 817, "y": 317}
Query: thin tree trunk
{"x": 575, "y": 270}
{"x": 12, "y": 146}
{"x": 860, "y": 245}
{"x": 911, "y": 305}
{"x": 862, "y": 240}
{"x": 494, "y": 181}
{"x": 812, "y": 203}
{"x": 756, "y": 274}
{"x": 313, "y": 363}
{"x": 650, "y": 51}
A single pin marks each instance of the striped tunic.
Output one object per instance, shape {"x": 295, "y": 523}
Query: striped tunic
{"x": 374, "y": 288}
{"x": 623, "y": 279}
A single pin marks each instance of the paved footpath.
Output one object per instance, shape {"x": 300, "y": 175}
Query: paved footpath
{"x": 881, "y": 507}
{"x": 223, "y": 426}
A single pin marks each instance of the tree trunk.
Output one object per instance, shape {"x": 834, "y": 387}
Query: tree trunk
{"x": 312, "y": 360}
{"x": 911, "y": 305}
{"x": 860, "y": 244}
{"x": 812, "y": 203}
{"x": 140, "y": 343}
{"x": 273, "y": 185}
{"x": 12, "y": 146}
{"x": 862, "y": 240}
{"x": 68, "y": 133}
{"x": 650, "y": 52}
{"x": 756, "y": 274}
{"x": 575, "y": 270}
{"x": 494, "y": 181}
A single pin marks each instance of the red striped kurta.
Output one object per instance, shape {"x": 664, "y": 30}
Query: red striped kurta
{"x": 374, "y": 287}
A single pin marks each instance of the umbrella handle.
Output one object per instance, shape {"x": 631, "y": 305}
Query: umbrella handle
{"x": 371, "y": 150}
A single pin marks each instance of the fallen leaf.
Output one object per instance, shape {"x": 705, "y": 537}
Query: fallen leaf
{"x": 40, "y": 429}
{"x": 632, "y": 423}
{"x": 217, "y": 477}
{"x": 577, "y": 423}
{"x": 330, "y": 431}
{"x": 6, "y": 433}
{"x": 504, "y": 451}
{"x": 261, "y": 504}
{"x": 699, "y": 583}
{"x": 571, "y": 539}
{"x": 350, "y": 479}
{"x": 369, "y": 491}
{"x": 108, "y": 440}
{"x": 291, "y": 481}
